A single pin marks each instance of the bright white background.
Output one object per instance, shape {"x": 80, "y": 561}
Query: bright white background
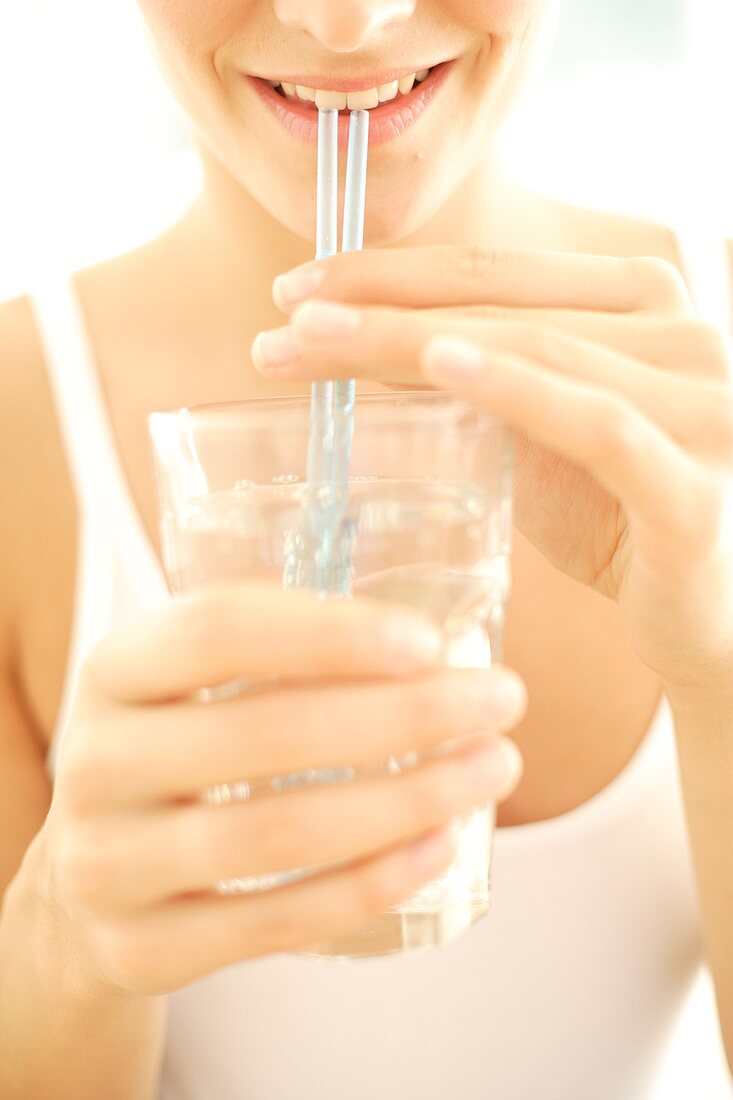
{"x": 634, "y": 114}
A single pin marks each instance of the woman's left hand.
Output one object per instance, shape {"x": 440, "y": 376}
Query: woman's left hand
{"x": 621, "y": 399}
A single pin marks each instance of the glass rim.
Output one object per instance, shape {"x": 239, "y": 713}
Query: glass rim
{"x": 262, "y": 404}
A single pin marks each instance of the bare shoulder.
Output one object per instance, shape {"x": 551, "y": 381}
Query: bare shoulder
{"x": 612, "y": 234}
{"x": 606, "y": 233}
{"x": 36, "y": 564}
{"x": 30, "y": 445}
{"x": 37, "y": 546}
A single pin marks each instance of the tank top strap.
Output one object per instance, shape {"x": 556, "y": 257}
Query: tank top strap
{"x": 80, "y": 408}
{"x": 706, "y": 267}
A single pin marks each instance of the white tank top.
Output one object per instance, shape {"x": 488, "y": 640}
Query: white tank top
{"x": 568, "y": 989}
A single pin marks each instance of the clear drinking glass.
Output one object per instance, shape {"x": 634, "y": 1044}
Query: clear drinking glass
{"x": 429, "y": 521}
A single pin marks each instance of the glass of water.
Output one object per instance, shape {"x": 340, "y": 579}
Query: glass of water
{"x": 428, "y": 522}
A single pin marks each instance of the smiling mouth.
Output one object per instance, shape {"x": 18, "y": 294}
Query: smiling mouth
{"x": 367, "y": 99}
{"x": 394, "y": 103}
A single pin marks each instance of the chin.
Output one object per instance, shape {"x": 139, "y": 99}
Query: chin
{"x": 396, "y": 208}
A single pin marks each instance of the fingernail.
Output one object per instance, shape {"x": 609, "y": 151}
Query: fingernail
{"x": 496, "y": 766}
{"x": 325, "y": 320}
{"x": 513, "y": 763}
{"x": 507, "y": 694}
{"x": 296, "y": 285}
{"x": 276, "y": 348}
{"x": 449, "y": 358}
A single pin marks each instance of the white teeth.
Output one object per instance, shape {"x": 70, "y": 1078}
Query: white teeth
{"x": 363, "y": 101}
{"x": 336, "y": 100}
{"x": 388, "y": 91}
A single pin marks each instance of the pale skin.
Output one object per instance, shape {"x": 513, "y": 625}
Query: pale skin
{"x": 596, "y": 360}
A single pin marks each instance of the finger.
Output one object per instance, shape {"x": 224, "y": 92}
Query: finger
{"x": 176, "y": 751}
{"x": 328, "y": 904}
{"x": 327, "y": 340}
{"x": 168, "y": 947}
{"x": 255, "y": 630}
{"x": 694, "y": 411}
{"x": 447, "y": 275}
{"x": 386, "y": 345}
{"x": 678, "y": 345}
{"x": 188, "y": 849}
{"x": 652, "y": 477}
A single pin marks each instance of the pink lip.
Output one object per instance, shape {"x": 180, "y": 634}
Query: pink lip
{"x": 386, "y": 121}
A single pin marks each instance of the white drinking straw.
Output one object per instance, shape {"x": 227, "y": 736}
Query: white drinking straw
{"x": 321, "y": 434}
{"x": 351, "y": 241}
{"x": 356, "y": 174}
{"x": 337, "y": 547}
{"x": 320, "y": 554}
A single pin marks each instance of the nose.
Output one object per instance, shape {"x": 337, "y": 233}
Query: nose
{"x": 343, "y": 25}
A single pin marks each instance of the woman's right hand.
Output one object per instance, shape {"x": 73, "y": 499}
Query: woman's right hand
{"x": 131, "y": 849}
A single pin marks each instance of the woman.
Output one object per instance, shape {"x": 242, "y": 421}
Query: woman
{"x": 117, "y": 966}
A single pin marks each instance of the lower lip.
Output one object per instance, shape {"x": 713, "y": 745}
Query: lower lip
{"x": 386, "y": 122}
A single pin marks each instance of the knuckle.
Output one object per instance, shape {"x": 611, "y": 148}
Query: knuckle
{"x": 474, "y": 263}
{"x": 504, "y": 314}
{"x": 617, "y": 433}
{"x": 80, "y": 869}
{"x": 709, "y": 536}
{"x": 132, "y": 957}
{"x": 83, "y": 778}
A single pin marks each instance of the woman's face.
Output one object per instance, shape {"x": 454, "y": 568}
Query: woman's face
{"x": 240, "y": 70}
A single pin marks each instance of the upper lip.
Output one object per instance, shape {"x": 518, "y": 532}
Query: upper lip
{"x": 344, "y": 83}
